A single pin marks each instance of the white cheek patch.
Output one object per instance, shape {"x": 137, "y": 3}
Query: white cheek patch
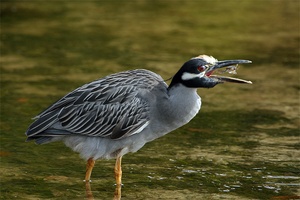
{"x": 188, "y": 76}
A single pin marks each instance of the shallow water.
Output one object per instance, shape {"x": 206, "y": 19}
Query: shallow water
{"x": 244, "y": 143}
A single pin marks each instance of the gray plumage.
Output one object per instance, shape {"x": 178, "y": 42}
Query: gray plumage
{"x": 110, "y": 111}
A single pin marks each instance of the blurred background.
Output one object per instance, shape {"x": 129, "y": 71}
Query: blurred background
{"x": 244, "y": 143}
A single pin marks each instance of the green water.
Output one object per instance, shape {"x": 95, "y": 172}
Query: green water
{"x": 244, "y": 143}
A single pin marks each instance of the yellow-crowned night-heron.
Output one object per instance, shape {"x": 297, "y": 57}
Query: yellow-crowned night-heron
{"x": 119, "y": 113}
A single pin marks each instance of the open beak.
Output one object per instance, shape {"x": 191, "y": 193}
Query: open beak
{"x": 230, "y": 65}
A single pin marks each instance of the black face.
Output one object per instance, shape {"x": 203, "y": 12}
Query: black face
{"x": 197, "y": 72}
{"x": 193, "y": 74}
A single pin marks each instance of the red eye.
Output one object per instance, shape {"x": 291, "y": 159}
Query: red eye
{"x": 201, "y": 68}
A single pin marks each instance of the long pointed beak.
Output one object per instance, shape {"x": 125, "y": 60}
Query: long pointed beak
{"x": 228, "y": 64}
{"x": 225, "y": 63}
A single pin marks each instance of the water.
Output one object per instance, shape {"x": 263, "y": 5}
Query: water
{"x": 244, "y": 143}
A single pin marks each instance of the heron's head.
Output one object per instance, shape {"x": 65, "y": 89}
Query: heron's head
{"x": 198, "y": 72}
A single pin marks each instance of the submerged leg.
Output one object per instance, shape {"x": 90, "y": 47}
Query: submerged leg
{"x": 118, "y": 171}
{"x": 89, "y": 168}
{"x": 88, "y": 191}
{"x": 117, "y": 194}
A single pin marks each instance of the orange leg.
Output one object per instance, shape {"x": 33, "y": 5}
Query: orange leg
{"x": 89, "y": 168}
{"x": 118, "y": 176}
{"x": 118, "y": 171}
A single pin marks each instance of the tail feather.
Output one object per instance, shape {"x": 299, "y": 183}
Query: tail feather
{"x": 47, "y": 136}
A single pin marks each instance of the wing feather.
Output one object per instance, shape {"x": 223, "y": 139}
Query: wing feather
{"x": 109, "y": 107}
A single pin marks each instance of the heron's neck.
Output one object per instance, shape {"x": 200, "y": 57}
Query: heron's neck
{"x": 185, "y": 103}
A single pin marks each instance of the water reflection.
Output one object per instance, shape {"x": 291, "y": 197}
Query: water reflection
{"x": 224, "y": 182}
{"x": 90, "y": 196}
{"x": 88, "y": 191}
{"x": 117, "y": 194}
